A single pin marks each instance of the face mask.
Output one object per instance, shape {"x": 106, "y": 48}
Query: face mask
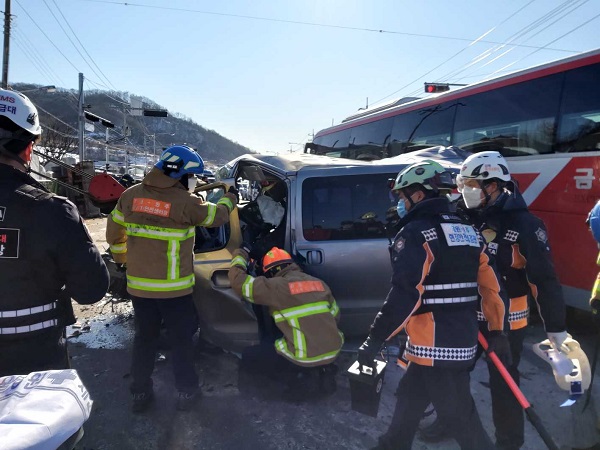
{"x": 401, "y": 208}
{"x": 191, "y": 183}
{"x": 472, "y": 197}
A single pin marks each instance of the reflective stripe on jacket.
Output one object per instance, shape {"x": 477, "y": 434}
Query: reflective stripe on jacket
{"x": 439, "y": 268}
{"x": 152, "y": 229}
{"x": 596, "y": 288}
{"x": 302, "y": 306}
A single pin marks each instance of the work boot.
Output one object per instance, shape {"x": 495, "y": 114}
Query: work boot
{"x": 327, "y": 383}
{"x": 436, "y": 432}
{"x": 141, "y": 401}
{"x": 186, "y": 400}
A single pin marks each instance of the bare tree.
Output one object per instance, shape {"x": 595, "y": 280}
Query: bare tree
{"x": 57, "y": 139}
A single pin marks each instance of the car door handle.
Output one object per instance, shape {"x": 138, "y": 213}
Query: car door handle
{"x": 220, "y": 279}
{"x": 314, "y": 257}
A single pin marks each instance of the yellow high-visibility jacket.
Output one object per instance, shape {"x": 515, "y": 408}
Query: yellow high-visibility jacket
{"x": 152, "y": 229}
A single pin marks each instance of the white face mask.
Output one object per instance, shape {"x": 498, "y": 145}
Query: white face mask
{"x": 472, "y": 196}
{"x": 192, "y": 181}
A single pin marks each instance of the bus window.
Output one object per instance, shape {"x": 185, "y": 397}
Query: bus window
{"x": 516, "y": 120}
{"x": 423, "y": 128}
{"x": 368, "y": 141}
{"x": 334, "y": 144}
{"x": 579, "y": 125}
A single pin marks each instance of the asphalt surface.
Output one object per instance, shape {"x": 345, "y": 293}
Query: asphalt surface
{"x": 237, "y": 411}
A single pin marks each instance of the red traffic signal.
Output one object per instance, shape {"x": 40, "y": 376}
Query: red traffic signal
{"x": 434, "y": 88}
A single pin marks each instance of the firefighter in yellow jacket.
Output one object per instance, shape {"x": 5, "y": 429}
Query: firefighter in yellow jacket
{"x": 593, "y": 221}
{"x": 305, "y": 312}
{"x": 152, "y": 230}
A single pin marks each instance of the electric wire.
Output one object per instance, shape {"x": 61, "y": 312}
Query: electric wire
{"x": 30, "y": 57}
{"x": 47, "y": 37}
{"x": 70, "y": 40}
{"x": 314, "y": 24}
{"x": 455, "y": 54}
{"x": 32, "y": 51}
{"x": 82, "y": 46}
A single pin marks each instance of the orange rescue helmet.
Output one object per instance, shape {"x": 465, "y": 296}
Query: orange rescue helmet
{"x": 274, "y": 259}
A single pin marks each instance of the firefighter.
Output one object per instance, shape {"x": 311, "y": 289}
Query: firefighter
{"x": 593, "y": 221}
{"x": 439, "y": 266}
{"x": 518, "y": 241}
{"x": 152, "y": 231}
{"x": 305, "y": 312}
{"x": 47, "y": 256}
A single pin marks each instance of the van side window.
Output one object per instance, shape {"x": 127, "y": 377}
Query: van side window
{"x": 346, "y": 207}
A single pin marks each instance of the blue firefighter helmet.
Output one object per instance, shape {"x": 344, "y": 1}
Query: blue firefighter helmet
{"x": 593, "y": 221}
{"x": 180, "y": 160}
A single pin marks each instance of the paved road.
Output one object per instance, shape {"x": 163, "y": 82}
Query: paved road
{"x": 248, "y": 412}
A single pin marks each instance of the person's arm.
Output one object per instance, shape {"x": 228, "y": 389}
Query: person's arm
{"x": 211, "y": 214}
{"x": 494, "y": 299}
{"x": 411, "y": 261}
{"x": 258, "y": 290}
{"x": 595, "y": 296}
{"x": 84, "y": 273}
{"x": 116, "y": 234}
{"x": 546, "y": 290}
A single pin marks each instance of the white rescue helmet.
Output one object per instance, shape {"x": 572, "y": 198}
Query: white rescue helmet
{"x": 571, "y": 370}
{"x": 18, "y": 108}
{"x": 484, "y": 166}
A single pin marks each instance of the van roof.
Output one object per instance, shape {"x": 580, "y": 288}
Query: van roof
{"x": 294, "y": 162}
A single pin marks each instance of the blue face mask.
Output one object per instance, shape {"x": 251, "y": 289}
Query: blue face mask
{"x": 401, "y": 208}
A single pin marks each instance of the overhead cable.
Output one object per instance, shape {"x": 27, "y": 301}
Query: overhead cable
{"x": 313, "y": 24}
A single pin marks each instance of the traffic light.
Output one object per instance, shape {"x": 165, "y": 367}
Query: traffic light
{"x": 94, "y": 118}
{"x": 434, "y": 88}
{"x": 155, "y": 112}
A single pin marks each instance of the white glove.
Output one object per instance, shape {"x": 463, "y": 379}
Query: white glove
{"x": 557, "y": 340}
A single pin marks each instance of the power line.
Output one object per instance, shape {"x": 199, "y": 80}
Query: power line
{"x": 80, "y": 43}
{"x": 455, "y": 54}
{"x": 34, "y": 52}
{"x": 313, "y": 24}
{"x": 47, "y": 37}
{"x": 70, "y": 40}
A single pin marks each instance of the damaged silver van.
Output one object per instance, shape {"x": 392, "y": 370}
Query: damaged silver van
{"x": 332, "y": 215}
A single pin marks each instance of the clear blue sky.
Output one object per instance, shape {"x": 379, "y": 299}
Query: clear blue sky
{"x": 266, "y": 83}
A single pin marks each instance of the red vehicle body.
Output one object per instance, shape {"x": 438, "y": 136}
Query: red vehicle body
{"x": 545, "y": 120}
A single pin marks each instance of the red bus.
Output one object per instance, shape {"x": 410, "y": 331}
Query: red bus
{"x": 545, "y": 120}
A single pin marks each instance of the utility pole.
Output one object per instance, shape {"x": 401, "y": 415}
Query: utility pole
{"x": 6, "y": 44}
{"x": 81, "y": 120}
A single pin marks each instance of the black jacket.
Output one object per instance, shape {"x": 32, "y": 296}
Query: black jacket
{"x": 439, "y": 268}
{"x": 47, "y": 257}
{"x": 519, "y": 242}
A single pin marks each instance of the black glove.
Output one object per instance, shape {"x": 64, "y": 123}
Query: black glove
{"x": 246, "y": 246}
{"x": 121, "y": 267}
{"x": 368, "y": 351}
{"x": 595, "y": 304}
{"x": 498, "y": 343}
{"x": 233, "y": 190}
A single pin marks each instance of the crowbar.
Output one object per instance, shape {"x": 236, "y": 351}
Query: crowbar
{"x": 529, "y": 411}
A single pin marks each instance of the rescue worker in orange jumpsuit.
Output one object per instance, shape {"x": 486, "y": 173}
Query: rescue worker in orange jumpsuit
{"x": 152, "y": 230}
{"x": 518, "y": 241}
{"x": 439, "y": 267}
{"x": 47, "y": 256}
{"x": 305, "y": 312}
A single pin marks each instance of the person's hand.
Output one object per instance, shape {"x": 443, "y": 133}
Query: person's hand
{"x": 499, "y": 344}
{"x": 368, "y": 351}
{"x": 557, "y": 340}
{"x": 595, "y": 304}
{"x": 233, "y": 190}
